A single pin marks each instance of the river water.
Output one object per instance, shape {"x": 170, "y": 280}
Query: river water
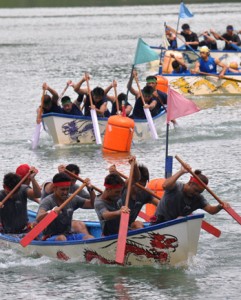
{"x": 58, "y": 44}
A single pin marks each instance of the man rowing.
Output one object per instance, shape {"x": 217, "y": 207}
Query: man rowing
{"x": 13, "y": 213}
{"x": 208, "y": 64}
{"x": 61, "y": 228}
{"x": 182, "y": 199}
{"x": 231, "y": 39}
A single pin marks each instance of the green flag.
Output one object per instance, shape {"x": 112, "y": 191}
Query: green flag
{"x": 144, "y": 53}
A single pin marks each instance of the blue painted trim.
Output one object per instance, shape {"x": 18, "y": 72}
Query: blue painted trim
{"x": 100, "y": 119}
{"x": 146, "y": 229}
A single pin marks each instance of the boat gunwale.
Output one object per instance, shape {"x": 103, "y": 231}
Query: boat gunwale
{"x": 87, "y": 118}
{"x": 114, "y": 237}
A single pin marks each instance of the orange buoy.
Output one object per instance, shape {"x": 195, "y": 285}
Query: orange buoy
{"x": 155, "y": 185}
{"x": 118, "y": 134}
{"x": 162, "y": 84}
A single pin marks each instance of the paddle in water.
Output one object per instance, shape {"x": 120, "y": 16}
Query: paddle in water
{"x": 124, "y": 223}
{"x": 51, "y": 216}
{"x": 229, "y": 209}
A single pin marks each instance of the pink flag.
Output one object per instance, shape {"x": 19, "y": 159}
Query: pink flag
{"x": 178, "y": 106}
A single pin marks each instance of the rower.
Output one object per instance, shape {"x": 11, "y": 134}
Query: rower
{"x": 61, "y": 229}
{"x": 229, "y": 37}
{"x": 13, "y": 213}
{"x": 208, "y": 64}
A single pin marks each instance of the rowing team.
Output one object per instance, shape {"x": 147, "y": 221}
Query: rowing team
{"x": 98, "y": 98}
{"x": 206, "y": 65}
{"x": 179, "y": 199}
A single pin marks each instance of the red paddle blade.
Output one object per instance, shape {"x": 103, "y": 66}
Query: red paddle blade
{"x": 25, "y": 241}
{"x": 121, "y": 243}
{"x": 211, "y": 229}
{"x": 233, "y": 213}
{"x": 144, "y": 216}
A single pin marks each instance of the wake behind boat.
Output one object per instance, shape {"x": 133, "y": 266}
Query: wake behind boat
{"x": 168, "y": 243}
{"x": 66, "y": 129}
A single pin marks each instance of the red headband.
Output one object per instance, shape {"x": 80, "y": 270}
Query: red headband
{"x": 113, "y": 186}
{"x": 63, "y": 183}
{"x": 193, "y": 179}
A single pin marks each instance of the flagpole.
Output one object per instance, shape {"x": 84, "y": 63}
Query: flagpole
{"x": 168, "y": 159}
{"x": 178, "y": 21}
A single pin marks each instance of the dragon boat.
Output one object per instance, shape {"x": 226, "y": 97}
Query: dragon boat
{"x": 190, "y": 57}
{"x": 170, "y": 243}
{"x": 66, "y": 129}
{"x": 202, "y": 85}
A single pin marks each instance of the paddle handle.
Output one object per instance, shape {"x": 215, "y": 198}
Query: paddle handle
{"x": 124, "y": 222}
{"x": 62, "y": 94}
{"x": 215, "y": 75}
{"x": 82, "y": 180}
{"x": 201, "y": 182}
{"x": 9, "y": 195}
{"x": 129, "y": 183}
{"x": 116, "y": 99}
{"x": 139, "y": 185}
{"x": 139, "y": 88}
{"x": 88, "y": 88}
{"x": 72, "y": 196}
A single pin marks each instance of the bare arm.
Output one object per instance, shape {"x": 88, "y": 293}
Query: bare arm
{"x": 171, "y": 181}
{"x": 55, "y": 95}
{"x": 77, "y": 86}
{"x": 217, "y": 36}
{"x": 109, "y": 215}
{"x": 35, "y": 192}
{"x": 131, "y": 89}
{"x": 222, "y": 65}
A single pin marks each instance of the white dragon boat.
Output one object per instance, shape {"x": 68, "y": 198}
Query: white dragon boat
{"x": 170, "y": 243}
{"x": 66, "y": 129}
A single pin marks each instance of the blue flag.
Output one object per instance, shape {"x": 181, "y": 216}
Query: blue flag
{"x": 184, "y": 12}
{"x": 144, "y": 53}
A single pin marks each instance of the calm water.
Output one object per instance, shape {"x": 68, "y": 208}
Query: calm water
{"x": 55, "y": 45}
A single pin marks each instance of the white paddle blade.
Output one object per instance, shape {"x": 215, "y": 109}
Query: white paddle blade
{"x": 150, "y": 123}
{"x": 96, "y": 126}
{"x": 36, "y": 136}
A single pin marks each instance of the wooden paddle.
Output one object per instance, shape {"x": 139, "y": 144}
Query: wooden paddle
{"x": 216, "y": 75}
{"x": 93, "y": 114}
{"x": 82, "y": 180}
{"x": 50, "y": 217}
{"x": 205, "y": 225}
{"x": 9, "y": 195}
{"x": 229, "y": 210}
{"x": 116, "y": 99}
{"x": 62, "y": 94}
{"x": 37, "y": 131}
{"x": 146, "y": 111}
{"x": 124, "y": 222}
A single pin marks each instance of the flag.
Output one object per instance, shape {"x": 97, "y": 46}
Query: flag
{"x": 144, "y": 53}
{"x": 178, "y": 106}
{"x": 184, "y": 12}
